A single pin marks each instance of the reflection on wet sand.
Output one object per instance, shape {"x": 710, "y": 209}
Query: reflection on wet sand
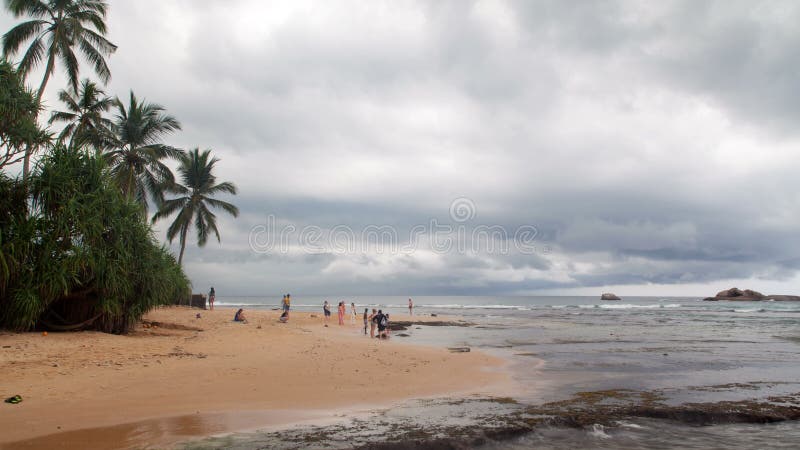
{"x": 158, "y": 433}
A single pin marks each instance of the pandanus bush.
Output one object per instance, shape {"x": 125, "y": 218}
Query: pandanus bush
{"x": 78, "y": 253}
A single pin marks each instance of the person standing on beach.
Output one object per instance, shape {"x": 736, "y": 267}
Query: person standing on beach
{"x": 211, "y": 298}
{"x": 288, "y": 303}
{"x": 366, "y": 319}
{"x": 341, "y": 313}
{"x": 372, "y": 323}
{"x": 353, "y": 313}
{"x": 326, "y": 309}
{"x": 410, "y": 307}
{"x": 380, "y": 320}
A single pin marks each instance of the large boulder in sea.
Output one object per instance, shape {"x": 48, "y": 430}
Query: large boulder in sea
{"x": 736, "y": 294}
{"x": 609, "y": 296}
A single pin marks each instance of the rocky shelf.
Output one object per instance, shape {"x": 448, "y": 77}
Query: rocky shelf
{"x": 747, "y": 295}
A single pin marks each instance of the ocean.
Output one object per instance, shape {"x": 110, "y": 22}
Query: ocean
{"x": 642, "y": 372}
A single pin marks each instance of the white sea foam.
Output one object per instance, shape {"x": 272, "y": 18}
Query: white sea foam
{"x": 472, "y": 306}
{"x": 599, "y": 431}
{"x": 624, "y": 424}
{"x": 631, "y": 306}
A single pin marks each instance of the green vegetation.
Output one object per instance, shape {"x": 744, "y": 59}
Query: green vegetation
{"x": 85, "y": 124}
{"x": 81, "y": 256}
{"x": 76, "y": 248}
{"x": 18, "y": 111}
{"x": 137, "y": 161}
{"x": 199, "y": 185}
{"x": 56, "y": 29}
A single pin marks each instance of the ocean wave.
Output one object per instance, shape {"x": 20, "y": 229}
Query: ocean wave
{"x": 456, "y": 306}
{"x": 749, "y": 310}
{"x": 263, "y": 305}
{"x": 599, "y": 431}
{"x": 624, "y": 424}
{"x": 631, "y": 306}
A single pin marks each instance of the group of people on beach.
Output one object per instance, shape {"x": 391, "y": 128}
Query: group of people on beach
{"x": 341, "y": 312}
{"x": 372, "y": 321}
{"x": 377, "y": 319}
{"x": 286, "y": 305}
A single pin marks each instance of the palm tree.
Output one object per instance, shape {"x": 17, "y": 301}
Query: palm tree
{"x": 199, "y": 185}
{"x": 56, "y": 29}
{"x": 137, "y": 160}
{"x": 84, "y": 116}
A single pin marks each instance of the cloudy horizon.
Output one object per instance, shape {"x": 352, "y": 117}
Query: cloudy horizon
{"x": 650, "y": 146}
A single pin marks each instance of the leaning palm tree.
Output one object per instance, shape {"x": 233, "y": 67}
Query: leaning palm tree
{"x": 57, "y": 28}
{"x": 199, "y": 185}
{"x": 137, "y": 160}
{"x": 85, "y": 123}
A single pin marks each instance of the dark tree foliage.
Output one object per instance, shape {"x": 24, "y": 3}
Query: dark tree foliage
{"x": 77, "y": 253}
{"x": 18, "y": 111}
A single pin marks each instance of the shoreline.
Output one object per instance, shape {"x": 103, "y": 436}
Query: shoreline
{"x": 228, "y": 376}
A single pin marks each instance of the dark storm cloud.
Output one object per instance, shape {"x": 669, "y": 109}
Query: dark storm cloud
{"x": 646, "y": 143}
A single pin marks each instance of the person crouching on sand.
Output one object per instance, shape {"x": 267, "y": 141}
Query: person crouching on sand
{"x": 372, "y": 323}
{"x": 284, "y": 317}
{"x": 239, "y": 316}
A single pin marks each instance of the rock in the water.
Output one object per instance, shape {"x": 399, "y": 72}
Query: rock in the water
{"x": 609, "y": 296}
{"x": 736, "y": 294}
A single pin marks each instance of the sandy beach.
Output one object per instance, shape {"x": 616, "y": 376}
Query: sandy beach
{"x": 190, "y": 377}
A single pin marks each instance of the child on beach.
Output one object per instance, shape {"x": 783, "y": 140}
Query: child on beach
{"x": 239, "y": 316}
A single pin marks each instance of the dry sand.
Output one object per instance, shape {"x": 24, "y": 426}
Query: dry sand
{"x": 194, "y": 377}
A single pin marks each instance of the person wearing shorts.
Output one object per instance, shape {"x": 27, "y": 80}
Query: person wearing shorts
{"x": 326, "y": 309}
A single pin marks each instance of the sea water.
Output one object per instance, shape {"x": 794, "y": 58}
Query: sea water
{"x": 686, "y": 349}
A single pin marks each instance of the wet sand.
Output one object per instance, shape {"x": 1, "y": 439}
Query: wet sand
{"x": 189, "y": 377}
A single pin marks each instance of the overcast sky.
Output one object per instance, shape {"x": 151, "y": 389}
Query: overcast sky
{"x": 652, "y": 146}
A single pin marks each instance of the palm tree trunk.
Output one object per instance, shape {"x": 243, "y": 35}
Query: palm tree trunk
{"x": 26, "y": 165}
{"x": 47, "y": 71}
{"x": 183, "y": 243}
{"x": 183, "y": 247}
